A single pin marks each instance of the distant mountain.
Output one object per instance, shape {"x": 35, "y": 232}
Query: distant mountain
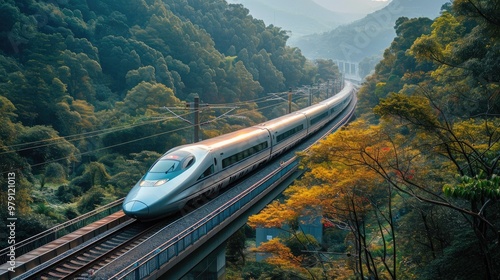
{"x": 368, "y": 36}
{"x": 301, "y": 17}
{"x": 363, "y": 7}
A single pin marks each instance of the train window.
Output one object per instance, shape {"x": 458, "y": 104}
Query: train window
{"x": 289, "y": 133}
{"x": 207, "y": 172}
{"x": 244, "y": 154}
{"x": 319, "y": 118}
{"x": 173, "y": 163}
{"x": 187, "y": 162}
{"x": 333, "y": 109}
{"x": 163, "y": 166}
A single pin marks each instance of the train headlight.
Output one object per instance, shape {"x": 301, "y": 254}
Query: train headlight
{"x": 161, "y": 182}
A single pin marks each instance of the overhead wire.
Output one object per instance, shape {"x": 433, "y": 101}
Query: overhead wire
{"x": 111, "y": 146}
{"x": 110, "y": 130}
{"x": 260, "y": 99}
{"x": 96, "y": 133}
{"x": 73, "y": 137}
{"x": 106, "y": 131}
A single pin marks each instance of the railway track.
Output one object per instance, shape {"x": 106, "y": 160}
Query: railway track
{"x": 76, "y": 257}
{"x": 80, "y": 253}
{"x": 81, "y": 262}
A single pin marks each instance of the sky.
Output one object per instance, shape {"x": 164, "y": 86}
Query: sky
{"x": 353, "y": 6}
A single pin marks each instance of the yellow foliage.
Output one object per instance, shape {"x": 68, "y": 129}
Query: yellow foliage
{"x": 281, "y": 255}
{"x": 479, "y": 135}
{"x": 274, "y": 215}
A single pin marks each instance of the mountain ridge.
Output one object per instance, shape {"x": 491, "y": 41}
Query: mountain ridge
{"x": 301, "y": 17}
{"x": 373, "y": 33}
{"x": 362, "y": 6}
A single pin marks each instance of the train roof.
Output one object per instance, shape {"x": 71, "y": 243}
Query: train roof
{"x": 234, "y": 137}
{"x": 281, "y": 120}
{"x": 261, "y": 129}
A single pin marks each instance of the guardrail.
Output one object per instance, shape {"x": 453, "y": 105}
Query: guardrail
{"x": 58, "y": 231}
{"x": 153, "y": 261}
{"x": 173, "y": 247}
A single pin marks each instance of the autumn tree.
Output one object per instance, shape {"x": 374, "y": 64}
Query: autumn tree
{"x": 470, "y": 148}
{"x": 342, "y": 188}
{"x": 463, "y": 44}
{"x": 430, "y": 158}
{"x": 352, "y": 196}
{"x": 396, "y": 67}
{"x": 460, "y": 89}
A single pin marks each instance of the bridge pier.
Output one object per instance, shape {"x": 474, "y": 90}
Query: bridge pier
{"x": 218, "y": 242}
{"x": 212, "y": 267}
{"x": 349, "y": 69}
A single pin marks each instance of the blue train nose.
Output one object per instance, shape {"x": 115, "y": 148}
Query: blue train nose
{"x": 136, "y": 209}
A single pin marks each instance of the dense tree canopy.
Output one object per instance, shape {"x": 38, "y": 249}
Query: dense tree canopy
{"x": 413, "y": 187}
{"x": 87, "y": 84}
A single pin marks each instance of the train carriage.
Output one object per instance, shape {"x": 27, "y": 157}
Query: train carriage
{"x": 317, "y": 117}
{"x": 237, "y": 153}
{"x": 285, "y": 131}
{"x": 188, "y": 171}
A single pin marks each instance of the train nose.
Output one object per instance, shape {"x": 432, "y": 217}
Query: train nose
{"x": 136, "y": 209}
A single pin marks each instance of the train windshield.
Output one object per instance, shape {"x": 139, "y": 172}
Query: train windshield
{"x": 170, "y": 166}
{"x": 164, "y": 166}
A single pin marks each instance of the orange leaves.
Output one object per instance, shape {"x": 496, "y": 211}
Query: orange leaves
{"x": 281, "y": 255}
{"x": 411, "y": 109}
{"x": 274, "y": 215}
{"x": 351, "y": 153}
{"x": 308, "y": 200}
{"x": 347, "y": 184}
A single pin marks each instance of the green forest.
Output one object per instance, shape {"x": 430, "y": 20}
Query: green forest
{"x": 411, "y": 188}
{"x": 83, "y": 84}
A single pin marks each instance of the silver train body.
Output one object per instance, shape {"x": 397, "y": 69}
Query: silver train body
{"x": 186, "y": 172}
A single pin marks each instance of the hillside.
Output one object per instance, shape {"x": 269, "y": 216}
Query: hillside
{"x": 84, "y": 84}
{"x": 357, "y": 7}
{"x": 368, "y": 36}
{"x": 301, "y": 17}
{"x": 411, "y": 188}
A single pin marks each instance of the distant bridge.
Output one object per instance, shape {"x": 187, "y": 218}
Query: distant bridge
{"x": 349, "y": 69}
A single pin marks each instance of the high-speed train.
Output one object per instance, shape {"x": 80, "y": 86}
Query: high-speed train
{"x": 188, "y": 171}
